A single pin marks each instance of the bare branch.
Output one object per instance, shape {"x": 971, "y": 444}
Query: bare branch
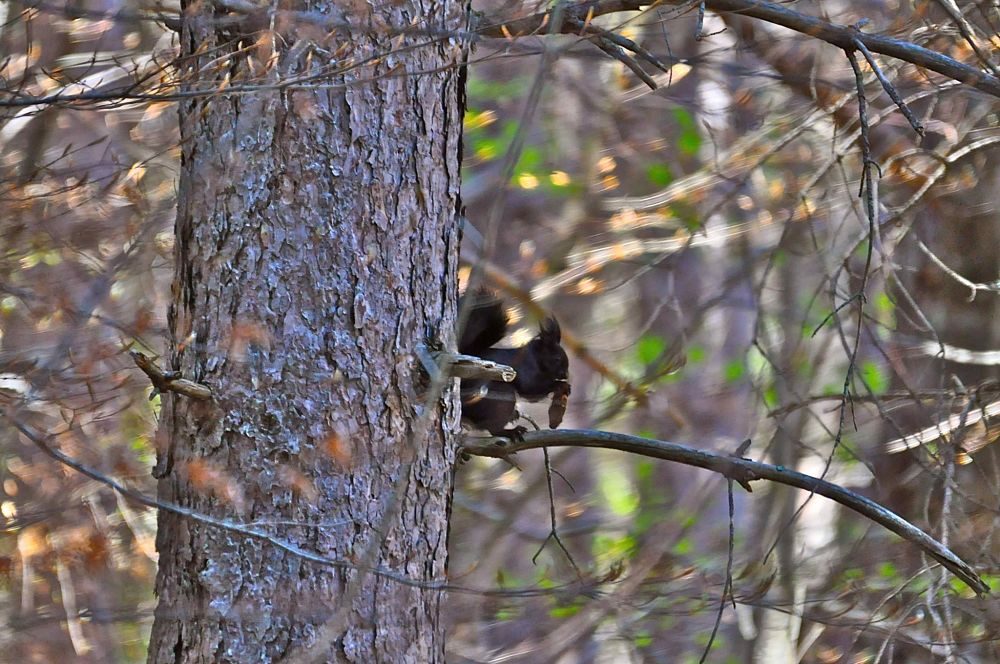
{"x": 621, "y": 56}
{"x": 617, "y": 46}
{"x": 889, "y": 87}
{"x": 737, "y": 469}
{"x": 470, "y": 366}
{"x": 968, "y": 32}
{"x": 843, "y": 36}
{"x": 458, "y": 365}
{"x": 168, "y": 381}
{"x": 971, "y": 285}
{"x": 44, "y": 442}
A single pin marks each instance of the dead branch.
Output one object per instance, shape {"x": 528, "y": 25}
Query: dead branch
{"x": 842, "y": 36}
{"x": 739, "y": 470}
{"x": 170, "y": 381}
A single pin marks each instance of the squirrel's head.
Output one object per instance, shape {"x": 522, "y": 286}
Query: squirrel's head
{"x": 551, "y": 356}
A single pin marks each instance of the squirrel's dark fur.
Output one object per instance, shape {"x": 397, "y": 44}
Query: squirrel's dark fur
{"x": 541, "y": 365}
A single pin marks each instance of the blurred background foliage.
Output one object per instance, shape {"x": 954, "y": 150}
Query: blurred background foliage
{"x": 706, "y": 252}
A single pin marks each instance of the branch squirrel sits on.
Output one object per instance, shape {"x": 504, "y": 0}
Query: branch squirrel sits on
{"x": 541, "y": 365}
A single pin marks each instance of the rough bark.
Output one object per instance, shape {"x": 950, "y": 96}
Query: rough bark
{"x": 316, "y": 246}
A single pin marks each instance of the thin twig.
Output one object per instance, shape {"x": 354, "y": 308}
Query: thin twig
{"x": 727, "y": 588}
{"x": 44, "y": 442}
{"x": 699, "y": 25}
{"x": 621, "y": 56}
{"x": 619, "y": 44}
{"x": 842, "y": 36}
{"x": 868, "y": 189}
{"x": 968, "y": 32}
{"x": 169, "y": 381}
{"x": 889, "y": 87}
{"x": 837, "y": 35}
{"x": 553, "y": 533}
{"x": 971, "y": 285}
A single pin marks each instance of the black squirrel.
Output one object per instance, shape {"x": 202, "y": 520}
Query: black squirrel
{"x": 541, "y": 365}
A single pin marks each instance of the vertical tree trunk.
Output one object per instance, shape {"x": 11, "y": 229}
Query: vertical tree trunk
{"x": 316, "y": 247}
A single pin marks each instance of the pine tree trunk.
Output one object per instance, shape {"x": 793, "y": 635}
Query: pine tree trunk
{"x": 316, "y": 247}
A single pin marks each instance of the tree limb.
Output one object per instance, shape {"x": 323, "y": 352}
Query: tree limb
{"x": 842, "y": 36}
{"x": 740, "y": 470}
{"x": 169, "y": 381}
{"x": 47, "y": 445}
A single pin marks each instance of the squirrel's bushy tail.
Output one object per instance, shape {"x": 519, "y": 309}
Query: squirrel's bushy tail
{"x": 486, "y": 322}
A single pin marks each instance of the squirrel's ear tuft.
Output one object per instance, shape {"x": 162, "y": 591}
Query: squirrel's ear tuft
{"x": 549, "y": 330}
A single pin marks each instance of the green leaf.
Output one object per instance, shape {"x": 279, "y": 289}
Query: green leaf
{"x": 684, "y": 546}
{"x": 757, "y": 363}
{"x": 8, "y": 304}
{"x": 853, "y": 574}
{"x": 487, "y": 148}
{"x": 659, "y": 174}
{"x": 619, "y": 494}
{"x": 887, "y": 570}
{"x": 885, "y": 311}
{"x": 733, "y": 371}
{"x": 529, "y": 161}
{"x": 701, "y": 638}
{"x": 497, "y": 92}
{"x": 884, "y": 304}
{"x": 874, "y": 377}
{"x": 505, "y": 614}
{"x": 959, "y": 588}
{"x": 649, "y": 348}
{"x": 861, "y": 253}
{"x": 609, "y": 548}
{"x": 689, "y": 141}
{"x": 672, "y": 377}
{"x": 564, "y": 611}
{"x": 771, "y": 397}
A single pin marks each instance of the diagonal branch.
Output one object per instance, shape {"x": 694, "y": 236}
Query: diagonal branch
{"x": 618, "y": 46}
{"x": 842, "y": 36}
{"x": 740, "y": 470}
{"x": 621, "y": 56}
{"x": 47, "y": 445}
{"x": 890, "y": 88}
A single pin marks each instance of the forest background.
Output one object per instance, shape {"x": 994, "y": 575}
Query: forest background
{"x": 743, "y": 235}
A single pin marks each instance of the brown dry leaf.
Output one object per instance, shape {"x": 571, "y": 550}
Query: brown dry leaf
{"x": 245, "y": 333}
{"x": 338, "y": 449}
{"x": 209, "y": 479}
{"x": 95, "y": 551}
{"x": 298, "y": 482}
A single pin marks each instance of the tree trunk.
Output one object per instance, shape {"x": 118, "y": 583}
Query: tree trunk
{"x": 316, "y": 247}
